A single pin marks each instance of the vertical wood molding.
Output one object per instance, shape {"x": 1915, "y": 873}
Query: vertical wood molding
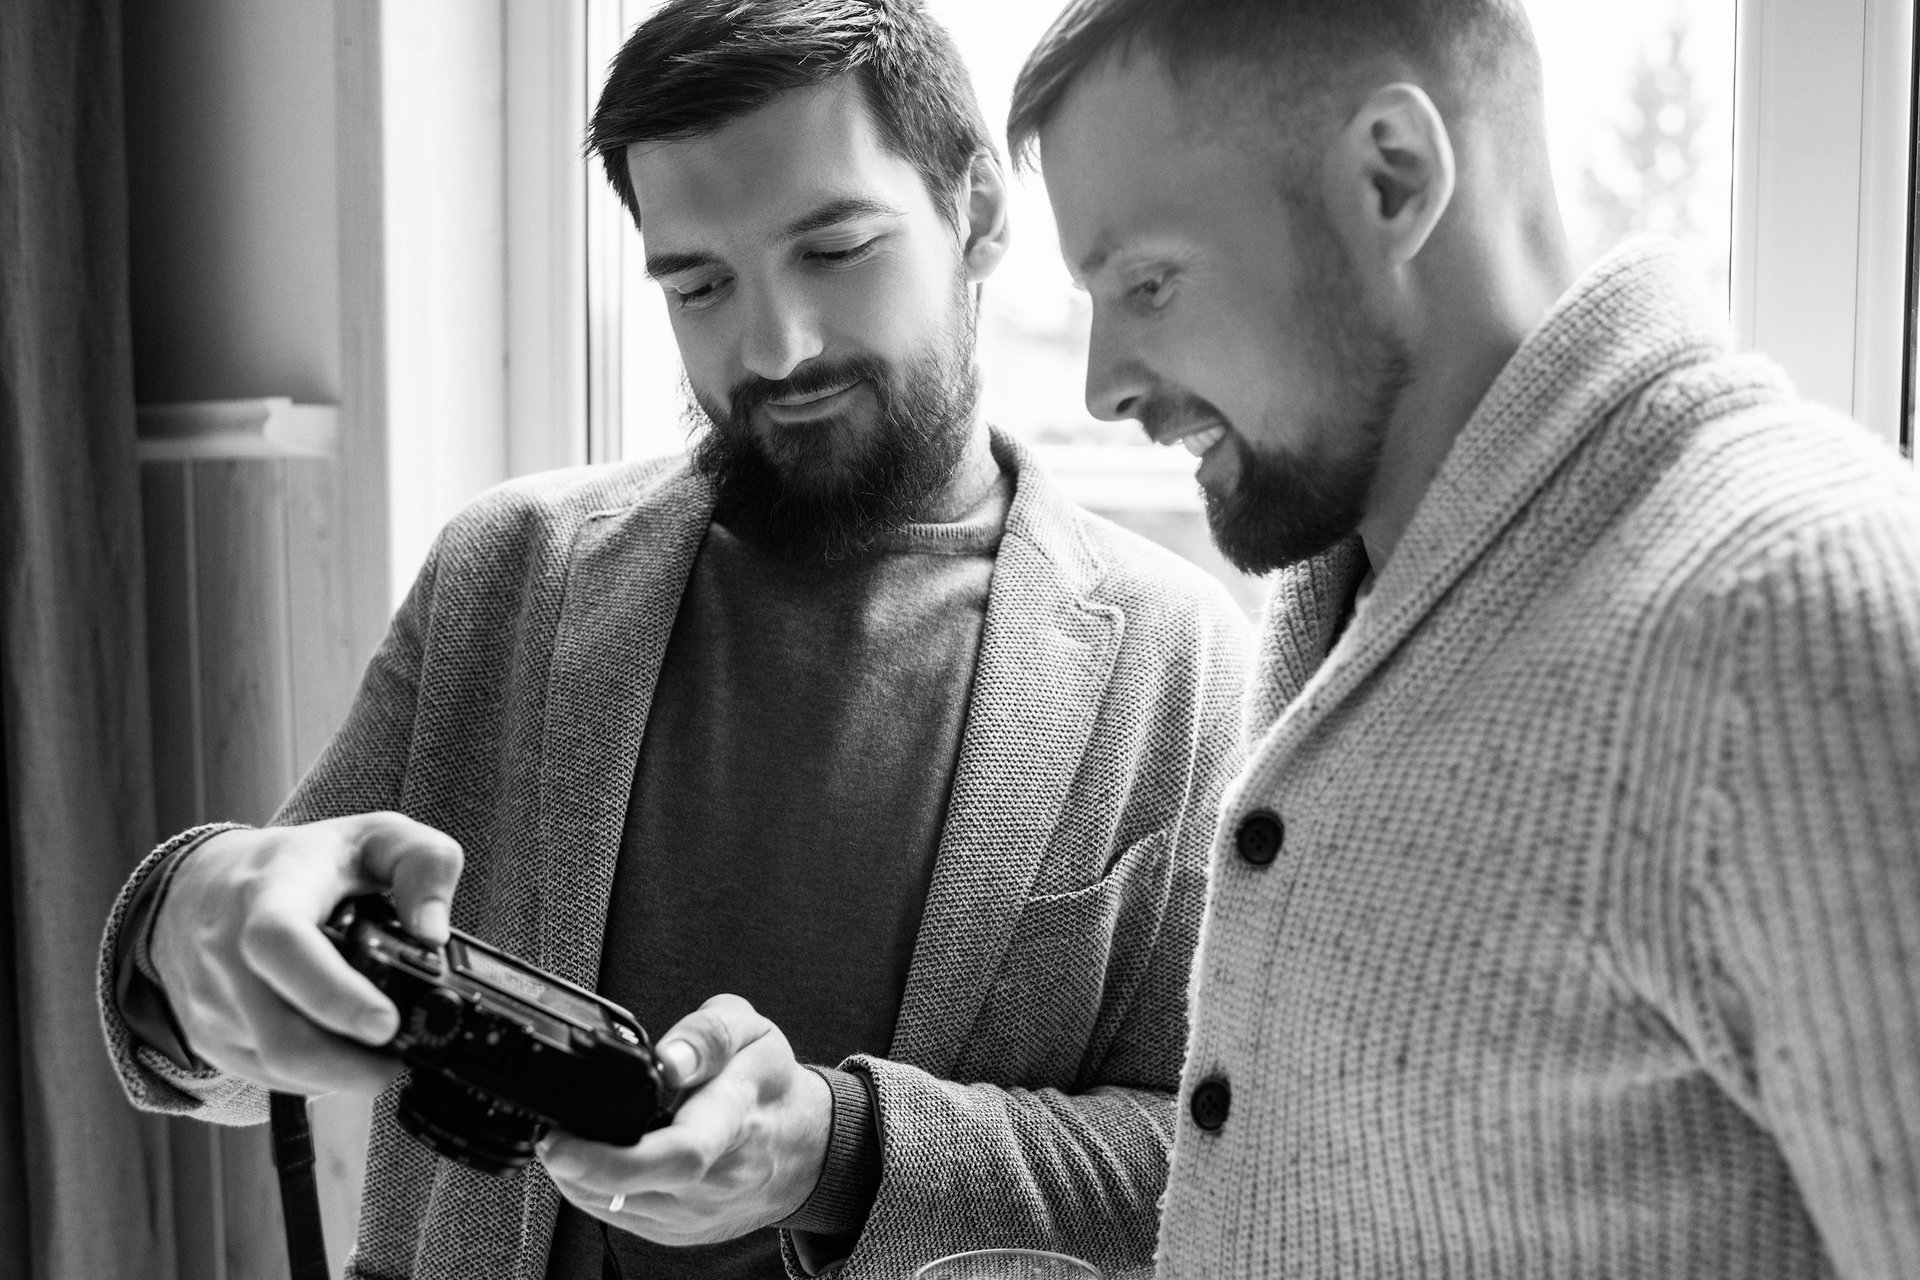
{"x": 606, "y": 223}
{"x": 363, "y": 474}
{"x": 547, "y": 180}
{"x": 239, "y": 530}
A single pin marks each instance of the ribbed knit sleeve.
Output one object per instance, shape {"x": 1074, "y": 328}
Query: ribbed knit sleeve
{"x": 1806, "y": 869}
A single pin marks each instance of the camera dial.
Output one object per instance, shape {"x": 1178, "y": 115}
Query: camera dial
{"x": 435, "y": 1018}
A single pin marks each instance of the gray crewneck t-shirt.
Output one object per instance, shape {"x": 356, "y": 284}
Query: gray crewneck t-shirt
{"x": 787, "y": 808}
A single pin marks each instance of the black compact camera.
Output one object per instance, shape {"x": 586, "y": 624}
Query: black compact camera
{"x": 500, "y": 1050}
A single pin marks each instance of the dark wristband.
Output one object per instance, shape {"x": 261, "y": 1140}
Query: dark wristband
{"x": 850, "y": 1174}
{"x": 138, "y": 992}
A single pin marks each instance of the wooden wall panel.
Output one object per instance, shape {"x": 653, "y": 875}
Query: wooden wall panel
{"x": 254, "y": 657}
{"x": 240, "y": 555}
{"x": 166, "y": 496}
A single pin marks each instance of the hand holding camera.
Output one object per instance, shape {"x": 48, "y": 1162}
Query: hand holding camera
{"x": 257, "y": 988}
{"x": 284, "y": 967}
{"x": 744, "y": 1150}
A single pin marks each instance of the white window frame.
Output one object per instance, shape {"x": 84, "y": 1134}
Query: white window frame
{"x": 1822, "y": 215}
{"x": 1823, "y": 191}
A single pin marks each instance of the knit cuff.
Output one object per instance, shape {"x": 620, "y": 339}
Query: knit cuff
{"x": 850, "y": 1174}
{"x": 137, "y": 989}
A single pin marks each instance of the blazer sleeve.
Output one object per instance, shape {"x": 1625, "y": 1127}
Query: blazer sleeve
{"x": 359, "y": 772}
{"x": 1804, "y": 885}
{"x": 1077, "y": 1170}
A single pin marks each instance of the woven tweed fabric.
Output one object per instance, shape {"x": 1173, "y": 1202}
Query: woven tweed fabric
{"x": 507, "y": 706}
{"x": 1591, "y": 948}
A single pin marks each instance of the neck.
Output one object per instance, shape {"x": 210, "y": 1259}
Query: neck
{"x": 1467, "y": 336}
{"x": 974, "y": 477}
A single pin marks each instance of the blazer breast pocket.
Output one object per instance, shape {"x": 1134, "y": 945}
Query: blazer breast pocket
{"x": 1071, "y": 955}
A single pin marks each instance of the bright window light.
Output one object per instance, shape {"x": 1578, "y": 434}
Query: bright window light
{"x": 1640, "y": 119}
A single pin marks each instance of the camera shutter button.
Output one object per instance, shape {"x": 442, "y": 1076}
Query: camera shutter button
{"x": 436, "y": 1017}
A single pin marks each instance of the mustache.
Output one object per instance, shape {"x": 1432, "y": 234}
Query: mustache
{"x": 815, "y": 376}
{"x": 1162, "y": 409}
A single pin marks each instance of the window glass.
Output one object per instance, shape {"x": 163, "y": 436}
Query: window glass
{"x": 1910, "y": 382}
{"x": 1640, "y": 115}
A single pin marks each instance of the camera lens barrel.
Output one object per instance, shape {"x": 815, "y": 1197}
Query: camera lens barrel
{"x": 464, "y": 1125}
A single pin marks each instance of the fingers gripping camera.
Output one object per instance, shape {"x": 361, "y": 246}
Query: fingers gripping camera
{"x": 499, "y": 1050}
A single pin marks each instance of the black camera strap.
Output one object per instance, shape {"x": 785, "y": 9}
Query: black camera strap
{"x": 299, "y": 1194}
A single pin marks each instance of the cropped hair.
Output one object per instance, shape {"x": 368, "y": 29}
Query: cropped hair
{"x": 1289, "y": 46}
{"x": 696, "y": 65}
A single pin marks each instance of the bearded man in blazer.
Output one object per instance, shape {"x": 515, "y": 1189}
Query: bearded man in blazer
{"x": 850, "y": 716}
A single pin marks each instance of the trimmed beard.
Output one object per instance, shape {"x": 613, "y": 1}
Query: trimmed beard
{"x": 830, "y": 489}
{"x": 1285, "y": 507}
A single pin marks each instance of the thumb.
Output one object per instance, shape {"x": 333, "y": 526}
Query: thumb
{"x": 699, "y": 1046}
{"x": 421, "y": 866}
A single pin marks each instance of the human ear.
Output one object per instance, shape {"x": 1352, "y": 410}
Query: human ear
{"x": 987, "y": 231}
{"x": 1390, "y": 176}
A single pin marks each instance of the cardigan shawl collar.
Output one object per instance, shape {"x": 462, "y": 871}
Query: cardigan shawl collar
{"x": 1559, "y": 388}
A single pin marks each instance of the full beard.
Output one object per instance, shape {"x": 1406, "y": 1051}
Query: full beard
{"x": 1283, "y": 507}
{"x": 831, "y": 488}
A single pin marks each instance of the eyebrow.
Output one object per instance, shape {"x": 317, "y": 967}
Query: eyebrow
{"x": 1096, "y": 258}
{"x": 668, "y": 264}
{"x": 832, "y": 213}
{"x": 838, "y": 210}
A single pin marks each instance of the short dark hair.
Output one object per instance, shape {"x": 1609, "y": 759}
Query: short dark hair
{"x": 695, "y": 65}
{"x": 1291, "y": 44}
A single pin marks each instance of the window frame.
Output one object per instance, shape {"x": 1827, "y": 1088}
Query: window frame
{"x": 1821, "y": 229}
{"x": 1845, "y": 241}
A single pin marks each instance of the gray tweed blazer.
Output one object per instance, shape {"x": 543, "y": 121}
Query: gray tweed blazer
{"x": 1027, "y": 1099}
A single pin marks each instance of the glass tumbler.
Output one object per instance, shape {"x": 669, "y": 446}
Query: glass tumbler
{"x": 1008, "y": 1264}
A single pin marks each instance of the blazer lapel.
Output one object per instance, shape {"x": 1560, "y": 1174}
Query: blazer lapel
{"x": 625, "y": 578}
{"x": 1046, "y": 655}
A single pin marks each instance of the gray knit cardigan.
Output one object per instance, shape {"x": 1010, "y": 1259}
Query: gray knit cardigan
{"x": 1027, "y": 1099}
{"x": 1593, "y": 945}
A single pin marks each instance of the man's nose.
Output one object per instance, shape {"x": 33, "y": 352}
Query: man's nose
{"x": 782, "y": 333}
{"x": 1117, "y": 381}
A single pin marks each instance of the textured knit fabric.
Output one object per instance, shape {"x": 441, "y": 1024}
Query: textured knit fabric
{"x": 1592, "y": 947}
{"x": 787, "y": 808}
{"x": 1027, "y": 1097}
{"x": 137, "y": 991}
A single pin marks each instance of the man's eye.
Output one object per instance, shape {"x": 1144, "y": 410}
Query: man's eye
{"x": 1150, "y": 292}
{"x": 695, "y": 296}
{"x": 843, "y": 257}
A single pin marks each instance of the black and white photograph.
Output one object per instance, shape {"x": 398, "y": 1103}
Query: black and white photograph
{"x": 959, "y": 640}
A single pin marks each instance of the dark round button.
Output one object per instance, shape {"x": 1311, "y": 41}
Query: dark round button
{"x": 1209, "y": 1104}
{"x": 1259, "y": 837}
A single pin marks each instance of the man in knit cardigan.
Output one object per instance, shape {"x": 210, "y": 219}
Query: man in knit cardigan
{"x": 853, "y": 715}
{"x": 1566, "y": 919}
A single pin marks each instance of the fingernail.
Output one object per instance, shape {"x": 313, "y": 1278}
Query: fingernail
{"x": 430, "y": 920}
{"x": 377, "y": 1026}
{"x": 680, "y": 1060}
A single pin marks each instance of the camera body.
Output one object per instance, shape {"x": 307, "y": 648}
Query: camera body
{"x": 500, "y": 1050}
